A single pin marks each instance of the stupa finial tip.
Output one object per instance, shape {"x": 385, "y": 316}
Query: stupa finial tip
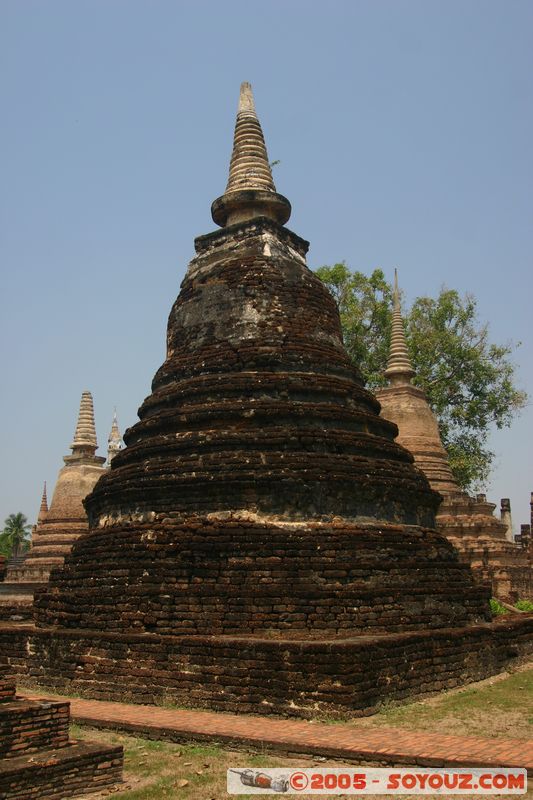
{"x": 396, "y": 293}
{"x": 246, "y": 99}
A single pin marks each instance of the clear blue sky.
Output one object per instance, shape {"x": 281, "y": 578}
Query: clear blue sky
{"x": 404, "y": 132}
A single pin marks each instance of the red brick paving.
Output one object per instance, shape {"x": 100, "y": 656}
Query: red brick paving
{"x": 344, "y": 742}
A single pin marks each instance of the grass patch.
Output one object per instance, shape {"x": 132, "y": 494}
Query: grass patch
{"x": 160, "y": 770}
{"x": 492, "y": 708}
{"x": 524, "y": 605}
{"x": 496, "y": 608}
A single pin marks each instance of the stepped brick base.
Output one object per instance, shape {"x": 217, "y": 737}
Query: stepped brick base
{"x": 29, "y": 725}
{"x": 78, "y": 769}
{"x": 37, "y": 759}
{"x": 205, "y": 576}
{"x": 290, "y": 677}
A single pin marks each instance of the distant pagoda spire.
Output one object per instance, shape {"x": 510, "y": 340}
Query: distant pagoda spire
{"x": 399, "y": 367}
{"x": 85, "y": 434}
{"x": 114, "y": 440}
{"x": 43, "y": 510}
{"x": 408, "y": 407}
{"x": 84, "y": 445}
{"x": 59, "y": 526}
{"x": 250, "y": 191}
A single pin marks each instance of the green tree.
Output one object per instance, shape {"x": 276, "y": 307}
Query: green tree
{"x": 469, "y": 382}
{"x": 14, "y": 539}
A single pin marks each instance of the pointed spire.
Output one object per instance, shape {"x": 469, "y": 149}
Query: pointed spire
{"x": 250, "y": 191}
{"x": 114, "y": 440}
{"x": 43, "y": 510}
{"x": 399, "y": 368}
{"x": 249, "y": 167}
{"x": 115, "y": 433}
{"x": 85, "y": 435}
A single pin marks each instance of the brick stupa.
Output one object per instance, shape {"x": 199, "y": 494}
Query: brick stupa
{"x": 59, "y": 526}
{"x": 262, "y": 543}
{"x": 482, "y": 540}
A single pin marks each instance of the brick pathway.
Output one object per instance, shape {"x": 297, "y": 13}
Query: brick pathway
{"x": 393, "y": 746}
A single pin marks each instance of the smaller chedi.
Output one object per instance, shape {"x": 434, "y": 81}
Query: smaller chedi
{"x": 483, "y": 541}
{"x": 59, "y": 526}
{"x": 114, "y": 440}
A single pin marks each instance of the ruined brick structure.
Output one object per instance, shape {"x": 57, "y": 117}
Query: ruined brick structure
{"x": 524, "y": 538}
{"x": 37, "y": 758}
{"x": 262, "y": 541}
{"x": 483, "y": 541}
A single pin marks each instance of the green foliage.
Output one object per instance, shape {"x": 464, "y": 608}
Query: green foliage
{"x": 469, "y": 382}
{"x": 365, "y": 309}
{"x": 14, "y": 539}
{"x": 496, "y": 608}
{"x": 524, "y": 605}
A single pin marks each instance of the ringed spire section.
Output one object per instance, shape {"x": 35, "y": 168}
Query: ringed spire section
{"x": 43, "y": 510}
{"x": 250, "y": 191}
{"x": 399, "y": 368}
{"x": 85, "y": 433}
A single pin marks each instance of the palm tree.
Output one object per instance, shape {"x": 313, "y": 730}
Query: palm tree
{"x": 15, "y": 535}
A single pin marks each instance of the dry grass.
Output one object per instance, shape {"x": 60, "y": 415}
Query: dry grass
{"x": 501, "y": 706}
{"x": 167, "y": 771}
